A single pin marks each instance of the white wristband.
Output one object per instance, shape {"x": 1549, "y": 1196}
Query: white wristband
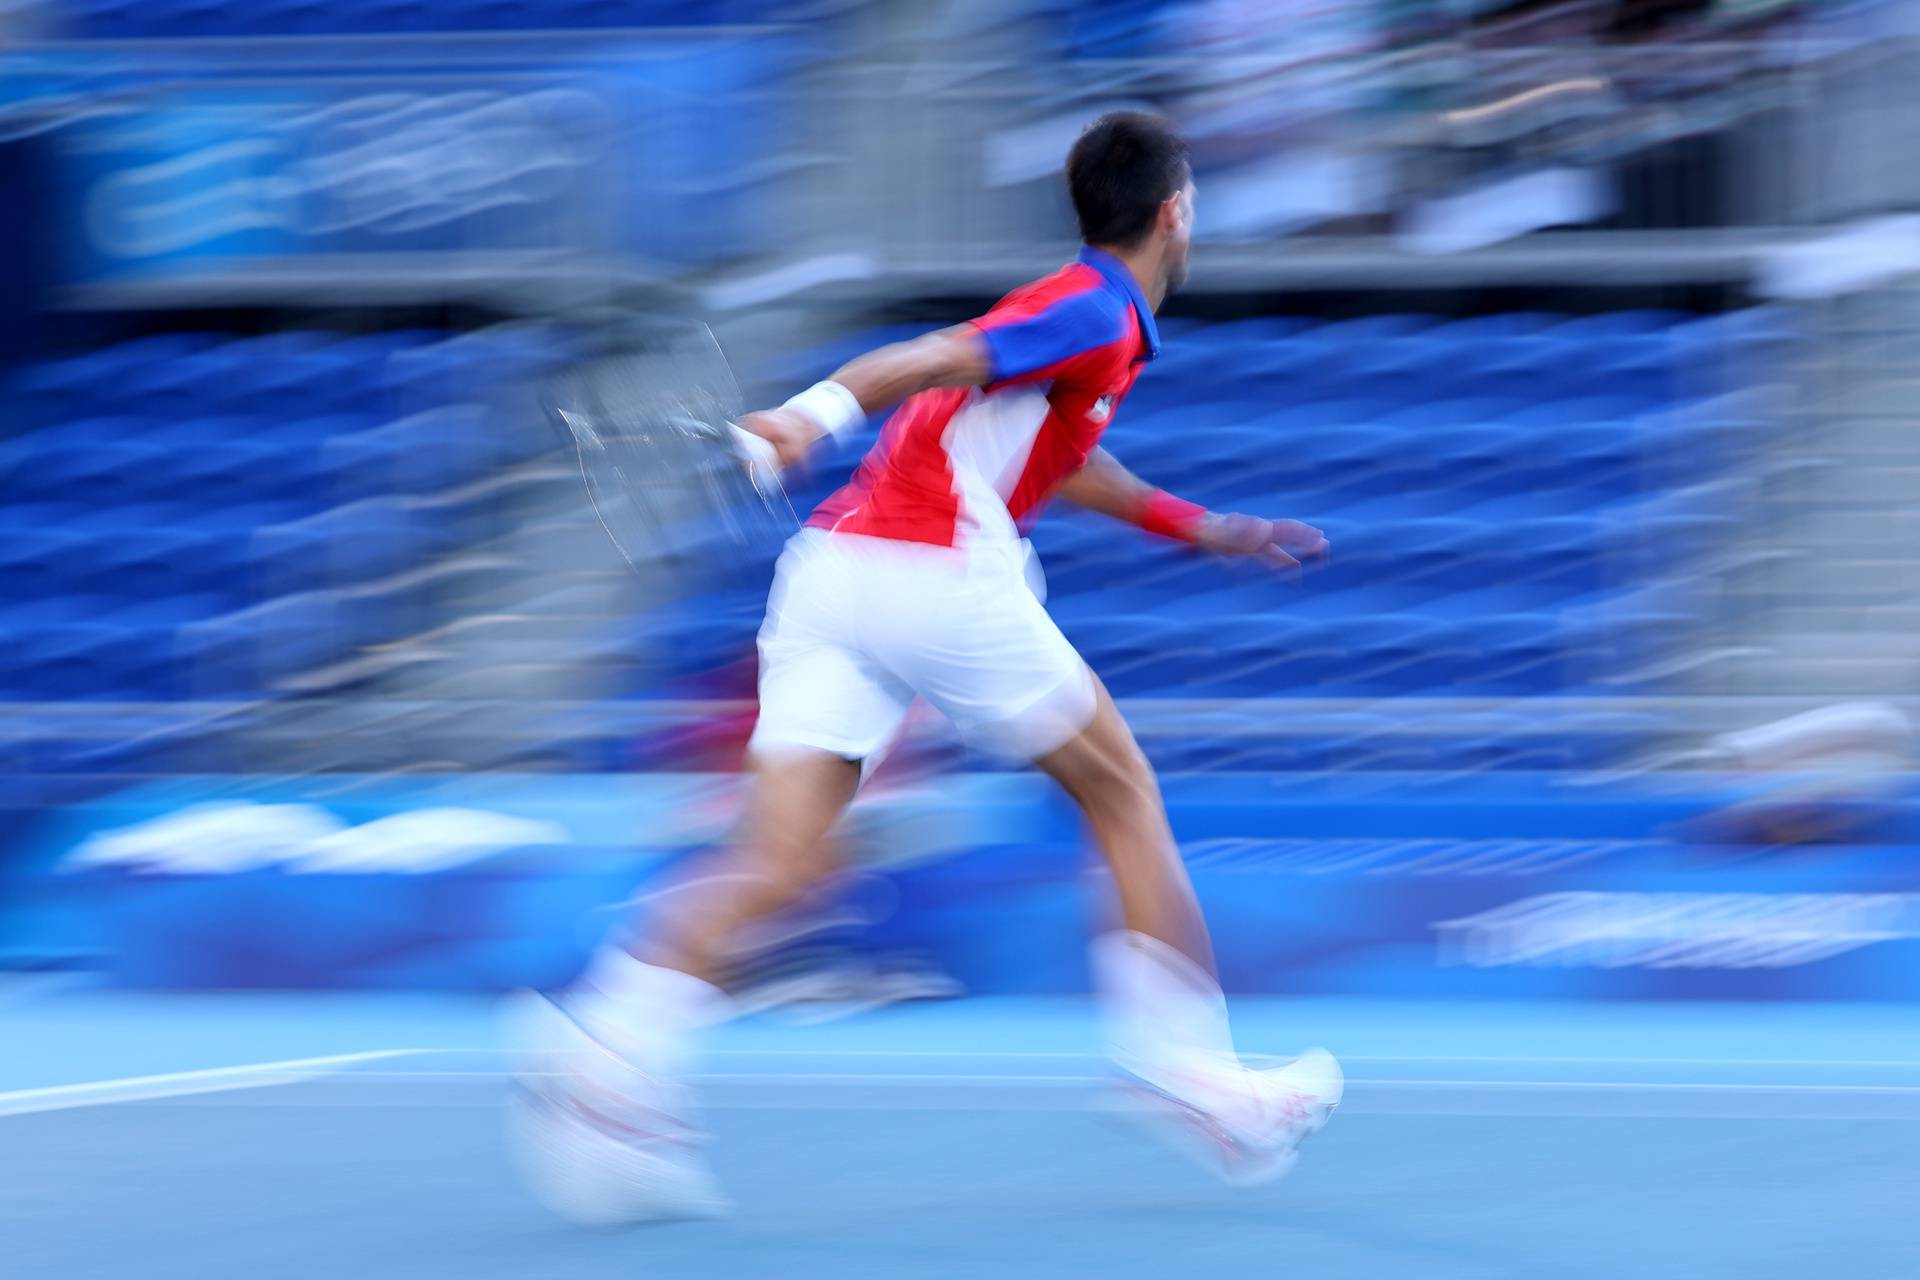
{"x": 832, "y": 406}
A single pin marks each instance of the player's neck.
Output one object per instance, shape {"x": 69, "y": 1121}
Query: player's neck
{"x": 1144, "y": 264}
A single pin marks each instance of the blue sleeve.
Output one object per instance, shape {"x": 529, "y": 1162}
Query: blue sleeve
{"x": 1078, "y": 323}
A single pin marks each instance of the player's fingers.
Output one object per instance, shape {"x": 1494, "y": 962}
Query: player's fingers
{"x": 756, "y": 451}
{"x": 1288, "y": 567}
{"x": 1302, "y": 540}
{"x": 1312, "y": 549}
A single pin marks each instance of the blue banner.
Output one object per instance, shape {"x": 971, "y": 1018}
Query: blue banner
{"x": 1312, "y": 886}
{"x": 647, "y": 154}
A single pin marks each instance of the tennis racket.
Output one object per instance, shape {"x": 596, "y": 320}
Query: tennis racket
{"x": 650, "y": 409}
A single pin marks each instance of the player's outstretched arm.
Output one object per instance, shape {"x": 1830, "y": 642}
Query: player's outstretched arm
{"x": 1105, "y": 486}
{"x": 956, "y": 357}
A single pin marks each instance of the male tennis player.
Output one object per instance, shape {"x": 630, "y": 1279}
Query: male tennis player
{"x": 910, "y": 581}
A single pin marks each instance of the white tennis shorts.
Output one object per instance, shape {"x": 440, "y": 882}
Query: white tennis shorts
{"x": 856, "y": 626}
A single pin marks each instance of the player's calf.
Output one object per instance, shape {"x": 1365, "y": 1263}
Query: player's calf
{"x": 604, "y": 1114}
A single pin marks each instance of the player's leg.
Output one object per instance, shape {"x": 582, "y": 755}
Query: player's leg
{"x": 1164, "y": 1013}
{"x": 782, "y": 850}
{"x": 825, "y": 710}
{"x": 988, "y": 656}
{"x": 652, "y": 989}
{"x": 607, "y": 1122}
{"x": 1103, "y": 768}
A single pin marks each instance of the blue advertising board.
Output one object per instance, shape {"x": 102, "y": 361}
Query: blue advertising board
{"x": 1334, "y": 886}
{"x": 644, "y": 152}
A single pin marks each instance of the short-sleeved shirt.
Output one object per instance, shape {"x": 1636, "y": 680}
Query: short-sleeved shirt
{"x": 969, "y": 465}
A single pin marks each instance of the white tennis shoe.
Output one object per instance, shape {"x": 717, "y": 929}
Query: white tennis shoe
{"x": 597, "y": 1140}
{"x": 1243, "y": 1123}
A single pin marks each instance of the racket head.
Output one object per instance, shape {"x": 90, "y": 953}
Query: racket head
{"x": 650, "y": 409}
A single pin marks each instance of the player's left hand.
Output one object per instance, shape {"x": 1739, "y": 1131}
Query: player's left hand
{"x": 1284, "y": 544}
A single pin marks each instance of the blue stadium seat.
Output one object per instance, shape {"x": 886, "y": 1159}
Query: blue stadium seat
{"x": 158, "y": 563}
{"x": 1259, "y": 331}
{"x": 1468, "y": 411}
{"x": 1654, "y": 540}
{"x": 39, "y": 515}
{"x": 160, "y": 613}
{"x": 220, "y": 472}
{"x": 1468, "y": 472}
{"x": 1138, "y": 653}
{"x": 426, "y": 453}
{"x": 1288, "y": 372}
{"x": 204, "y": 383}
{"x": 108, "y": 474}
{"x": 1478, "y": 462}
{"x": 351, "y": 544}
{"x": 63, "y": 390}
{"x": 1568, "y": 554}
{"x": 1412, "y": 369}
{"x": 1514, "y": 654}
{"x": 1507, "y": 324}
{"x": 79, "y": 660}
{"x": 1604, "y": 739}
{"x": 245, "y": 654}
{"x": 36, "y": 564}
{"x": 1353, "y": 464}
{"x": 1397, "y": 653}
{"x": 1532, "y": 367}
{"x": 1427, "y": 554}
{"x": 1611, "y": 325}
{"x": 33, "y": 465}
{"x": 1372, "y": 743}
{"x": 313, "y": 382}
{"x": 1373, "y": 328}
{"x": 1594, "y": 463}
{"x": 1743, "y": 333}
{"x": 1639, "y": 368}
{"x": 242, "y": 520}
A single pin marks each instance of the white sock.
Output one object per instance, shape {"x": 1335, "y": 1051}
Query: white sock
{"x": 649, "y": 1014}
{"x": 1164, "y": 1016}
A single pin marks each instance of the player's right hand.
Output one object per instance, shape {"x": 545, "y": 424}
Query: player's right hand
{"x": 790, "y": 432}
{"x": 1284, "y": 544}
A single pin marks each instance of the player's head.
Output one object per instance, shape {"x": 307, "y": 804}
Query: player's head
{"x": 1132, "y": 188}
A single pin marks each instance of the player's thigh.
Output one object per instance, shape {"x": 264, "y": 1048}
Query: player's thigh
{"x": 824, "y": 697}
{"x": 819, "y": 689}
{"x": 991, "y": 660}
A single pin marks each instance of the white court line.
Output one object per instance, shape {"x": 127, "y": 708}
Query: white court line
{"x": 179, "y": 1084}
{"x": 959, "y": 1055}
{"x": 293, "y": 1070}
{"x": 1083, "y": 1081}
{"x": 915, "y": 1077}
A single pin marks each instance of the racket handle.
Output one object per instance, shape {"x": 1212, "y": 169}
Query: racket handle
{"x": 762, "y": 459}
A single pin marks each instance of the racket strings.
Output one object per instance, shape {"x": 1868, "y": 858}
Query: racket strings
{"x": 653, "y": 431}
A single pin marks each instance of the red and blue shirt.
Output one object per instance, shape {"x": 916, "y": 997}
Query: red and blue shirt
{"x": 966, "y": 465}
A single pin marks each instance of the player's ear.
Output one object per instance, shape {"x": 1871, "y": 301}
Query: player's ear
{"x": 1172, "y": 214}
{"x": 1176, "y": 211}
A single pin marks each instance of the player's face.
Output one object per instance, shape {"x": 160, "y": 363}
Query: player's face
{"x": 1180, "y": 237}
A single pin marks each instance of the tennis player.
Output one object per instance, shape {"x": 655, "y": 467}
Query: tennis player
{"x": 913, "y": 580}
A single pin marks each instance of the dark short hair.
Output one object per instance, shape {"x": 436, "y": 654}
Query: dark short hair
{"x": 1120, "y": 171}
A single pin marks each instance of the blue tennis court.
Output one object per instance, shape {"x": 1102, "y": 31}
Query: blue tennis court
{"x": 187, "y": 1137}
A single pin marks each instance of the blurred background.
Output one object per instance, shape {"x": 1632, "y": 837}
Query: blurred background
{"x": 1587, "y": 331}
{"x": 1574, "y": 798}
